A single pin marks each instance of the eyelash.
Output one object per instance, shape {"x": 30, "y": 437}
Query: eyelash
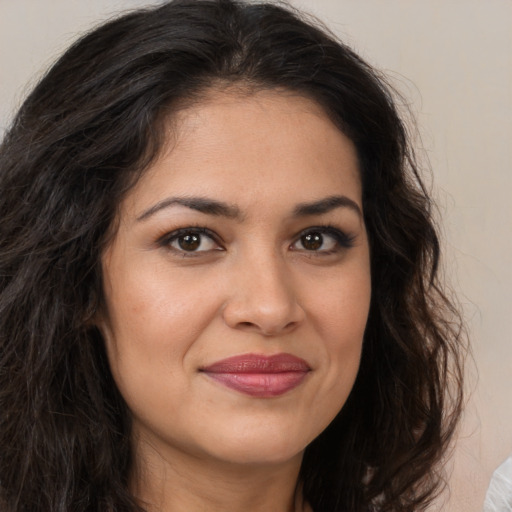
{"x": 342, "y": 239}
{"x": 166, "y": 240}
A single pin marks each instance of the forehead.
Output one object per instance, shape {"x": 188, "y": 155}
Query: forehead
{"x": 236, "y": 147}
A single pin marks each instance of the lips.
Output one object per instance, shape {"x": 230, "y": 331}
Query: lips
{"x": 258, "y": 375}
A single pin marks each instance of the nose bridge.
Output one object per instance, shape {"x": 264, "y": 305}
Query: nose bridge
{"x": 263, "y": 295}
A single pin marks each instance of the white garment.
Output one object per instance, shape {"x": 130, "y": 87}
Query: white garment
{"x": 499, "y": 494}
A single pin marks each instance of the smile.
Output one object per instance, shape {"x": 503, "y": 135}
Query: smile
{"x": 258, "y": 375}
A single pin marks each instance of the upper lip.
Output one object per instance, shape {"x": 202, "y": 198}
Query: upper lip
{"x": 258, "y": 363}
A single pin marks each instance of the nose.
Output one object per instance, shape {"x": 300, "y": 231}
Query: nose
{"x": 263, "y": 298}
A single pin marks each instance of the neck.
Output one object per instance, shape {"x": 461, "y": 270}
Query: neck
{"x": 181, "y": 483}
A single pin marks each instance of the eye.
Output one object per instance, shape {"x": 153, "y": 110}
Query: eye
{"x": 190, "y": 240}
{"x": 325, "y": 240}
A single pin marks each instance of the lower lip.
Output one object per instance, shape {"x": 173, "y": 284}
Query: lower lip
{"x": 262, "y": 385}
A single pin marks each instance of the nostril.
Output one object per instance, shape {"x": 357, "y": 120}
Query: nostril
{"x": 269, "y": 316}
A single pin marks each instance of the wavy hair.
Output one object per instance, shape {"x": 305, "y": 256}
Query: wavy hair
{"x": 83, "y": 137}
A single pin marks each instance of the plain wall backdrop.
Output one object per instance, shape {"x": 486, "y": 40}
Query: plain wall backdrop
{"x": 453, "y": 61}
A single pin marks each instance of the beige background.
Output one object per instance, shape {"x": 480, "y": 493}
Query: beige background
{"x": 453, "y": 60}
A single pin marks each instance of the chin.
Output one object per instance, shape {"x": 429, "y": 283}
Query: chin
{"x": 260, "y": 448}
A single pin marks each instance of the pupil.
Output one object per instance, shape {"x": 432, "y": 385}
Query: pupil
{"x": 189, "y": 242}
{"x": 312, "y": 241}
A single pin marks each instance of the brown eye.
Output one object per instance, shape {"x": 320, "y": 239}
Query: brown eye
{"x": 322, "y": 240}
{"x": 312, "y": 241}
{"x": 189, "y": 242}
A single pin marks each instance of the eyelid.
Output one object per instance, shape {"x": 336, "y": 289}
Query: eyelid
{"x": 343, "y": 239}
{"x": 170, "y": 236}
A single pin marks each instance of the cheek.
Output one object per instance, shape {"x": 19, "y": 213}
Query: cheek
{"x": 153, "y": 321}
{"x": 340, "y": 306}
{"x": 153, "y": 300}
{"x": 340, "y": 318}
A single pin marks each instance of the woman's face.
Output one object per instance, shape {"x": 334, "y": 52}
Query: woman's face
{"x": 238, "y": 283}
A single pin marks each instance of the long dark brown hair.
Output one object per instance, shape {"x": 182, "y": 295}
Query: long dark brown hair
{"x": 84, "y": 136}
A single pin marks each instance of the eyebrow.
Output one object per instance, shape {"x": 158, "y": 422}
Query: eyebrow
{"x": 326, "y": 205}
{"x": 200, "y": 204}
{"x": 221, "y": 209}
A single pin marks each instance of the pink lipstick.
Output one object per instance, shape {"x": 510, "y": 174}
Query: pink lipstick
{"x": 258, "y": 375}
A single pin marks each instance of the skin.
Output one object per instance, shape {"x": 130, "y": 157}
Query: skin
{"x": 253, "y": 286}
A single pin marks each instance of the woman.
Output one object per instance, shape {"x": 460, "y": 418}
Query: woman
{"x": 219, "y": 277}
